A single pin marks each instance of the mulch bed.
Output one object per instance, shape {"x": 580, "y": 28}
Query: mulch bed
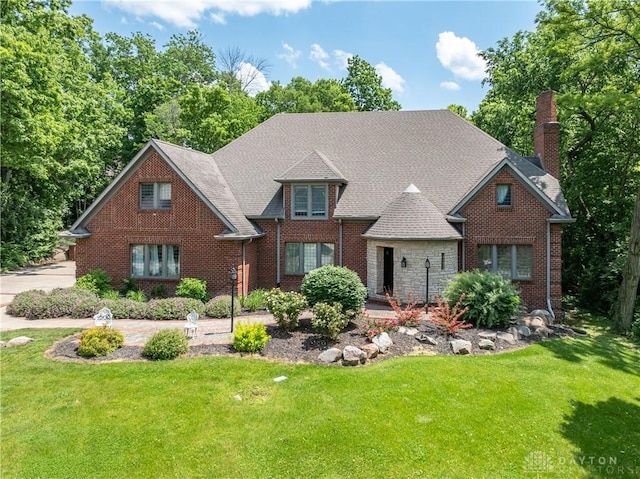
{"x": 304, "y": 345}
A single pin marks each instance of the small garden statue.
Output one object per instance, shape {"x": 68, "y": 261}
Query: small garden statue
{"x": 104, "y": 318}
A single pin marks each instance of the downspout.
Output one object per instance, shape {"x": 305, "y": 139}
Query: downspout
{"x": 464, "y": 247}
{"x": 245, "y": 283}
{"x": 549, "y": 270}
{"x": 340, "y": 242}
{"x": 277, "y": 253}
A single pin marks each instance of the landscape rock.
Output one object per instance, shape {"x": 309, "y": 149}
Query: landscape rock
{"x": 424, "y": 338}
{"x": 531, "y": 321}
{"x": 330, "y": 355}
{"x": 352, "y": 356}
{"x": 542, "y": 332}
{"x": 488, "y": 335}
{"x": 371, "y": 350}
{"x": 2, "y": 344}
{"x": 19, "y": 341}
{"x": 544, "y": 314}
{"x": 513, "y": 331}
{"x": 523, "y": 331}
{"x": 460, "y": 346}
{"x": 486, "y": 344}
{"x": 383, "y": 341}
{"x": 506, "y": 337}
{"x": 411, "y": 331}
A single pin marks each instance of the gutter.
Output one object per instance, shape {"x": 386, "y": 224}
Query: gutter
{"x": 340, "y": 234}
{"x": 277, "y": 252}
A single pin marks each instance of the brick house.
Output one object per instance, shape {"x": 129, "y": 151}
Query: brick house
{"x": 377, "y": 192}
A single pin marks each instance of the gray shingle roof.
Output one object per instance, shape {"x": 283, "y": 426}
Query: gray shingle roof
{"x": 378, "y": 152}
{"x": 411, "y": 216}
{"x": 314, "y": 167}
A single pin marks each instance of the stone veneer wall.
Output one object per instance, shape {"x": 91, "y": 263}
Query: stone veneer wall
{"x": 412, "y": 278}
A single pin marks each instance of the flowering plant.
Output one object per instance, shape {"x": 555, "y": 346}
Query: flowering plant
{"x": 410, "y": 315}
{"x": 376, "y": 326}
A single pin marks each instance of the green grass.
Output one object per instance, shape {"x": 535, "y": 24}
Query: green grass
{"x": 441, "y": 417}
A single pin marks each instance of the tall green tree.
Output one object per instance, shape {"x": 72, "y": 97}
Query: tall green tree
{"x": 588, "y": 53}
{"x": 59, "y": 124}
{"x": 365, "y": 87}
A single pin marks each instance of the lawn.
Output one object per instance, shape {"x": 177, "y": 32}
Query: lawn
{"x": 563, "y": 408}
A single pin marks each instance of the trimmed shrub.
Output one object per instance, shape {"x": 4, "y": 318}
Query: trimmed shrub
{"x": 335, "y": 284}
{"x": 285, "y": 307}
{"x": 410, "y": 316}
{"x": 111, "y": 294}
{"x": 61, "y": 302}
{"x": 159, "y": 291}
{"x": 254, "y": 300}
{"x": 126, "y": 308}
{"x": 96, "y": 280}
{"x": 329, "y": 319}
{"x": 492, "y": 300}
{"x": 192, "y": 288}
{"x": 173, "y": 308}
{"x": 220, "y": 307}
{"x": 250, "y": 338}
{"x": 166, "y": 344}
{"x": 99, "y": 341}
{"x": 23, "y": 303}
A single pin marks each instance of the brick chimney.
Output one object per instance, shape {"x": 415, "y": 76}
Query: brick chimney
{"x": 546, "y": 136}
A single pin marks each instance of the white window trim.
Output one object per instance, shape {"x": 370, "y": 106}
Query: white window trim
{"x": 514, "y": 259}
{"x": 300, "y": 270}
{"x": 156, "y": 196}
{"x": 309, "y": 215}
{"x": 146, "y": 261}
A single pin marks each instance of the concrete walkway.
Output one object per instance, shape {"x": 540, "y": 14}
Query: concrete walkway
{"x": 136, "y": 332}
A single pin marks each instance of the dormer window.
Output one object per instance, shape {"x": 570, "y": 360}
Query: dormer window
{"x": 155, "y": 196}
{"x": 503, "y": 195}
{"x": 309, "y": 202}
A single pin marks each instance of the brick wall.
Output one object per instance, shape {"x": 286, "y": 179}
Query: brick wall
{"x": 525, "y": 222}
{"x": 189, "y": 224}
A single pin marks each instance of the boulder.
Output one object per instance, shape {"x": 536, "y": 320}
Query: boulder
{"x": 506, "y": 337}
{"x": 523, "y": 331}
{"x": 352, "y": 356}
{"x": 424, "y": 338}
{"x": 383, "y": 341}
{"x": 411, "y": 331}
{"x": 460, "y": 346}
{"x": 544, "y": 314}
{"x": 330, "y": 355}
{"x": 531, "y": 321}
{"x": 513, "y": 331}
{"x": 371, "y": 350}
{"x": 491, "y": 335}
{"x": 486, "y": 344}
{"x": 542, "y": 332}
{"x": 19, "y": 341}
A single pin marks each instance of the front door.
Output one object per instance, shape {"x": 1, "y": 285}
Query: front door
{"x": 387, "y": 281}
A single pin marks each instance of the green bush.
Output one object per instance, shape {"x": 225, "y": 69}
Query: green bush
{"x": 22, "y": 303}
{"x": 126, "y": 308}
{"x": 220, "y": 307}
{"x": 173, "y": 308}
{"x": 329, "y": 319}
{"x": 166, "y": 344}
{"x": 635, "y": 328}
{"x": 99, "y": 341}
{"x": 136, "y": 295}
{"x": 61, "y": 302}
{"x": 128, "y": 284}
{"x": 111, "y": 294}
{"x": 285, "y": 307}
{"x": 250, "y": 338}
{"x": 96, "y": 280}
{"x": 254, "y": 300}
{"x": 492, "y": 299}
{"x": 159, "y": 291}
{"x": 192, "y": 288}
{"x": 335, "y": 284}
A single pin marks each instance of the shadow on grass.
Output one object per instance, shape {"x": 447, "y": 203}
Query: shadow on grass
{"x": 609, "y": 350}
{"x": 607, "y": 434}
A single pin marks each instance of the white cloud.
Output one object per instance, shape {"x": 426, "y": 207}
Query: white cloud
{"x": 450, "y": 85}
{"x": 290, "y": 54}
{"x": 319, "y": 56}
{"x": 218, "y": 18}
{"x": 187, "y": 13}
{"x": 157, "y": 25}
{"x": 460, "y": 55}
{"x": 252, "y": 79}
{"x": 342, "y": 58}
{"x": 390, "y": 79}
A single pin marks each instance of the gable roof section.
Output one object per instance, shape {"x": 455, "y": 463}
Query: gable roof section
{"x": 411, "y": 216}
{"x": 200, "y": 172}
{"x": 540, "y": 183}
{"x": 314, "y": 167}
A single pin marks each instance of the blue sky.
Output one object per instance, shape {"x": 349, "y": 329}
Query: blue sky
{"x": 425, "y": 51}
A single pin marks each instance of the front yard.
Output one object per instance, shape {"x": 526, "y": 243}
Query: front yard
{"x": 561, "y": 408}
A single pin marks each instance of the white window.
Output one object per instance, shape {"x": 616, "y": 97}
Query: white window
{"x": 155, "y": 196}
{"x": 309, "y": 202}
{"x": 300, "y": 258}
{"x": 511, "y": 261}
{"x": 155, "y": 261}
{"x": 503, "y": 195}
